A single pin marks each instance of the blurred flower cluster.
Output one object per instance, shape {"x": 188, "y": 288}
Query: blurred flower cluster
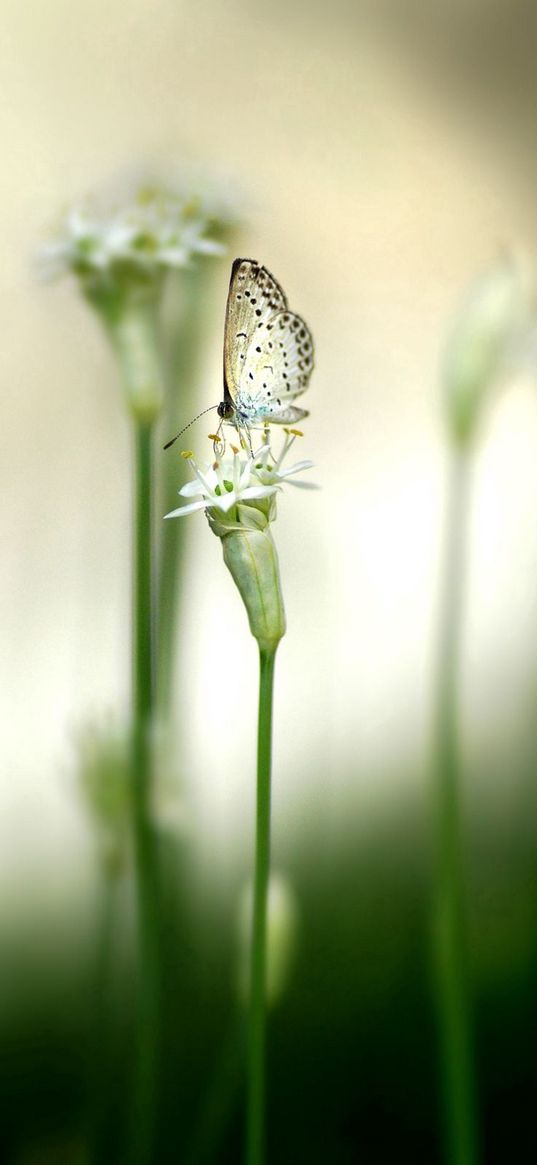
{"x": 488, "y": 341}
{"x": 121, "y": 244}
{"x": 154, "y": 230}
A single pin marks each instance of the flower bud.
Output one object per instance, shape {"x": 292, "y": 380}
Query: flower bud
{"x": 133, "y": 332}
{"x": 483, "y": 344}
{"x": 251, "y": 557}
{"x": 282, "y": 933}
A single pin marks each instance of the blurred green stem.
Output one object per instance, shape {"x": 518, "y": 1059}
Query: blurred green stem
{"x": 103, "y": 1051}
{"x": 185, "y": 348}
{"x": 218, "y": 1102}
{"x": 255, "y": 1139}
{"x": 449, "y": 921}
{"x": 144, "y": 834}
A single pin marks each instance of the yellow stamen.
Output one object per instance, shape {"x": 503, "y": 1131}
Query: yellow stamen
{"x": 213, "y": 437}
{"x": 295, "y": 432}
{"x": 235, "y": 450}
{"x": 187, "y": 454}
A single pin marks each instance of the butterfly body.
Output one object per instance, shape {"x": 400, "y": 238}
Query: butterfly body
{"x": 268, "y": 351}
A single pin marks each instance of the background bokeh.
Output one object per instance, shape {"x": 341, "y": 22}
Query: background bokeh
{"x": 381, "y": 154}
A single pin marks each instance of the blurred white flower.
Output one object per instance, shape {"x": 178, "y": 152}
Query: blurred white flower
{"x": 153, "y": 230}
{"x": 487, "y": 341}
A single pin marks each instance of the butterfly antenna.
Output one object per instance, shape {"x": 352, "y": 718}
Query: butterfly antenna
{"x": 194, "y": 419}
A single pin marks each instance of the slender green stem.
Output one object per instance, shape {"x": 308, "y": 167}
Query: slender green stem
{"x": 449, "y": 921}
{"x": 255, "y": 1136}
{"x": 185, "y": 348}
{"x": 144, "y": 836}
{"x": 103, "y": 1049}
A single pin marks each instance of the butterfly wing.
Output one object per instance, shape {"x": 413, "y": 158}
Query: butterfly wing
{"x": 253, "y": 297}
{"x": 268, "y": 350}
{"x": 278, "y": 366}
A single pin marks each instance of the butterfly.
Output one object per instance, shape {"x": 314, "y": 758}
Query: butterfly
{"x": 268, "y": 353}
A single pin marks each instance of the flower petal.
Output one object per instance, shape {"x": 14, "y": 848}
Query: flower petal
{"x": 258, "y": 491}
{"x": 304, "y": 485}
{"x": 297, "y": 468}
{"x": 189, "y": 509}
{"x": 191, "y": 489}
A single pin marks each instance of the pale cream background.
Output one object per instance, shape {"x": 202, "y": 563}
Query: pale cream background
{"x": 384, "y": 158}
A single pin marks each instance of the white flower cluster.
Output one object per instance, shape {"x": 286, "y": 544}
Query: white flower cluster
{"x": 226, "y": 483}
{"x": 155, "y": 230}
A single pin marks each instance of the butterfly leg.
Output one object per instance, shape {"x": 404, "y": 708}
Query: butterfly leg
{"x": 265, "y": 440}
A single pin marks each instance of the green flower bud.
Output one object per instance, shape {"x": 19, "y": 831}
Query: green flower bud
{"x": 282, "y": 936}
{"x": 483, "y": 343}
{"x": 250, "y": 555}
{"x": 133, "y": 332}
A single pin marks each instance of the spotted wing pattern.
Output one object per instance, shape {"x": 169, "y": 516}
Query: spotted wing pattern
{"x": 268, "y": 350}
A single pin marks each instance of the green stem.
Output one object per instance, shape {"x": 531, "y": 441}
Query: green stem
{"x": 144, "y": 835}
{"x": 449, "y": 922}
{"x": 255, "y": 1137}
{"x": 103, "y": 1049}
{"x": 185, "y": 348}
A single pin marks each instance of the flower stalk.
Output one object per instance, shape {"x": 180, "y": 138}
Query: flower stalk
{"x": 121, "y": 251}
{"x": 141, "y": 774}
{"x": 486, "y": 342}
{"x": 450, "y": 935}
{"x": 239, "y": 499}
{"x": 255, "y": 1136}
{"x": 250, "y": 555}
{"x": 185, "y": 346}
